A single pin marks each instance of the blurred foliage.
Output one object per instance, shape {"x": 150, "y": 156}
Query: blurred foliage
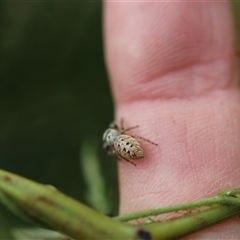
{"x": 96, "y": 193}
{"x": 54, "y": 94}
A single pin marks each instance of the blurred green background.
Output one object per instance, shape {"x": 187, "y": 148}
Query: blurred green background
{"x": 54, "y": 95}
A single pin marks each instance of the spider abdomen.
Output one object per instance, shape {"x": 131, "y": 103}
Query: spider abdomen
{"x": 128, "y": 147}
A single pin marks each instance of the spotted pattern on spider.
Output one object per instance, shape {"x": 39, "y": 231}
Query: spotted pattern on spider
{"x": 121, "y": 145}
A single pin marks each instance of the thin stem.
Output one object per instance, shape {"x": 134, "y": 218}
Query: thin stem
{"x": 225, "y": 200}
{"x": 187, "y": 224}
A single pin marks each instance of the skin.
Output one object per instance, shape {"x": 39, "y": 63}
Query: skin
{"x": 173, "y": 72}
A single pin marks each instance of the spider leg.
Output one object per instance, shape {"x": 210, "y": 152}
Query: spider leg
{"x": 119, "y": 158}
{"x": 121, "y": 124}
{"x": 122, "y": 130}
{"x": 136, "y": 136}
{"x": 130, "y": 128}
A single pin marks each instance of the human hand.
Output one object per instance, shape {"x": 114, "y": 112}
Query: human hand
{"x": 173, "y": 71}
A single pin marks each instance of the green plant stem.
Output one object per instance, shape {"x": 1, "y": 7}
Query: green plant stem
{"x": 231, "y": 192}
{"x": 220, "y": 199}
{"x": 183, "y": 226}
{"x": 44, "y": 204}
{"x": 40, "y": 203}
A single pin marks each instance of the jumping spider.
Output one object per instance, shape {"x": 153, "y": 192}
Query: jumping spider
{"x": 121, "y": 145}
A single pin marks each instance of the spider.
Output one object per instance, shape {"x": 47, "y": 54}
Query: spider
{"x": 121, "y": 145}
